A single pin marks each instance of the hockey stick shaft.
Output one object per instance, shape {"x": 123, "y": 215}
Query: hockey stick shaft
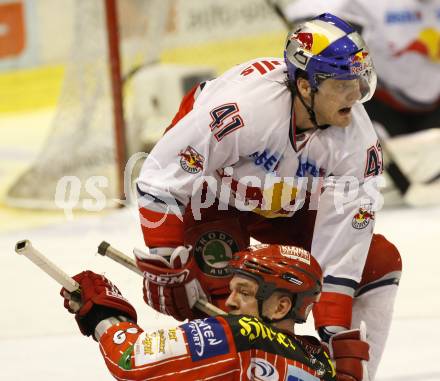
{"x": 25, "y": 248}
{"x": 400, "y": 180}
{"x": 277, "y": 9}
{"x": 105, "y": 249}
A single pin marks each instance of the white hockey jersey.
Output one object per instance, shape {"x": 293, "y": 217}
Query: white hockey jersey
{"x": 240, "y": 138}
{"x": 403, "y": 37}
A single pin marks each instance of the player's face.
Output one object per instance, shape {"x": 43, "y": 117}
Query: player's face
{"x": 334, "y": 100}
{"x": 241, "y": 300}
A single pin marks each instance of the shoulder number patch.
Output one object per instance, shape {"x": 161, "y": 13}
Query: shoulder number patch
{"x": 374, "y": 164}
{"x": 225, "y": 119}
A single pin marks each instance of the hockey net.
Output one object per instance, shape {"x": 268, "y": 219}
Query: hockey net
{"x": 178, "y": 34}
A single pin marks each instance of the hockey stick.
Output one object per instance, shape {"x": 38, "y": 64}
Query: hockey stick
{"x": 280, "y": 13}
{"x": 106, "y": 250}
{"x": 400, "y": 180}
{"x": 25, "y": 248}
{"x": 154, "y": 28}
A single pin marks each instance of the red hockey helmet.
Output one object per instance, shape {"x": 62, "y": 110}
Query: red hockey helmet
{"x": 281, "y": 268}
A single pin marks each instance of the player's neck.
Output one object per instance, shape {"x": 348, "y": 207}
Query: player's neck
{"x": 285, "y": 325}
{"x": 302, "y": 117}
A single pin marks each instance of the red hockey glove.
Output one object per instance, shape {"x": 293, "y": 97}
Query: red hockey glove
{"x": 100, "y": 299}
{"x": 170, "y": 286}
{"x": 349, "y": 351}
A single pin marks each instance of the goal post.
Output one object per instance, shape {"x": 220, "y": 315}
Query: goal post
{"x": 116, "y": 81}
{"x": 88, "y": 140}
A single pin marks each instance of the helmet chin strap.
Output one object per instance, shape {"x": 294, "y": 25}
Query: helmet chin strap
{"x": 311, "y": 109}
{"x": 264, "y": 291}
{"x": 267, "y": 319}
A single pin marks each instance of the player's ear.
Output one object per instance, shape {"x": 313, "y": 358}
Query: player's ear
{"x": 304, "y": 87}
{"x": 283, "y": 306}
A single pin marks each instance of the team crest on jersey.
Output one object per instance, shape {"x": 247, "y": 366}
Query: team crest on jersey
{"x": 261, "y": 369}
{"x": 362, "y": 218}
{"x": 213, "y": 251}
{"x": 191, "y": 161}
{"x": 120, "y": 336}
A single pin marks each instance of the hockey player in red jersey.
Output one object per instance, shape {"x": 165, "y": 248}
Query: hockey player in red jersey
{"x": 284, "y": 152}
{"x": 273, "y": 288}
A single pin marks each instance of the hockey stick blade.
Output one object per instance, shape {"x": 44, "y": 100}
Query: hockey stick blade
{"x": 105, "y": 249}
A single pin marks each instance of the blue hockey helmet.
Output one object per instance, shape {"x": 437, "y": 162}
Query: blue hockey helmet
{"x": 328, "y": 47}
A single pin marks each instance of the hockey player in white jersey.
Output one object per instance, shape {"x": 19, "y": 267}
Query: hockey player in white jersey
{"x": 284, "y": 152}
{"x": 404, "y": 39}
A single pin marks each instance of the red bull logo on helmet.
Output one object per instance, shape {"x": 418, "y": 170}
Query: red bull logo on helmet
{"x": 359, "y": 57}
{"x": 314, "y": 43}
{"x": 305, "y": 40}
{"x": 359, "y": 62}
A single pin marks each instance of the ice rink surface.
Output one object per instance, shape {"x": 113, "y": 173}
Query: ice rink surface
{"x": 40, "y": 340}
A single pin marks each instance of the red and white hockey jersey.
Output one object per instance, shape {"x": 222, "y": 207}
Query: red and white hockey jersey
{"x": 237, "y": 133}
{"x": 222, "y": 348}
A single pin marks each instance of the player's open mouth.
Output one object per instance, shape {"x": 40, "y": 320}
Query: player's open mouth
{"x": 345, "y": 111}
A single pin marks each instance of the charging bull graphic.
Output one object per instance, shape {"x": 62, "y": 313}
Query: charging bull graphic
{"x": 426, "y": 44}
{"x": 191, "y": 161}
